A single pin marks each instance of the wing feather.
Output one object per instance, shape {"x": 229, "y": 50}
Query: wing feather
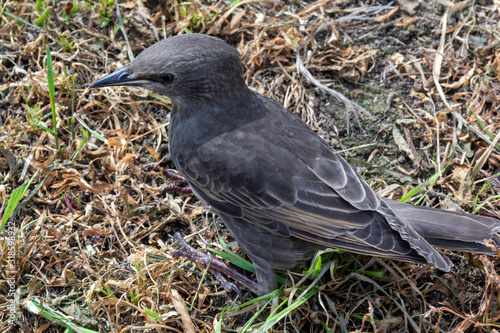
{"x": 291, "y": 183}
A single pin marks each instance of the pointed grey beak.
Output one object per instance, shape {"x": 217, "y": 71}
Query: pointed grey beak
{"x": 119, "y": 77}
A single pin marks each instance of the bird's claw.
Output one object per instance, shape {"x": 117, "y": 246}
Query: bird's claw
{"x": 216, "y": 266}
{"x": 228, "y": 286}
{"x": 175, "y": 188}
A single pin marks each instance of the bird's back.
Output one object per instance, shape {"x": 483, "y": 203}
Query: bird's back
{"x": 261, "y": 164}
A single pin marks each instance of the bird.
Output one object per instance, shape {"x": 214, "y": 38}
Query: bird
{"x": 280, "y": 190}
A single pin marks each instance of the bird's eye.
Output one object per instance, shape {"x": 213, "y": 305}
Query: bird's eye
{"x": 166, "y": 78}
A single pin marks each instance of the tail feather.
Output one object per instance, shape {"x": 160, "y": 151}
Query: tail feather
{"x": 450, "y": 230}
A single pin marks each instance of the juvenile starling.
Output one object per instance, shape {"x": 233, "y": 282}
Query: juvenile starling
{"x": 281, "y": 191}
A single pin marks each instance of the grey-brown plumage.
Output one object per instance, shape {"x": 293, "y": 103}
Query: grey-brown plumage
{"x": 281, "y": 191}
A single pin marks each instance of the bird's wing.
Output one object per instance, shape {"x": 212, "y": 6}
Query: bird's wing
{"x": 291, "y": 179}
{"x": 288, "y": 181}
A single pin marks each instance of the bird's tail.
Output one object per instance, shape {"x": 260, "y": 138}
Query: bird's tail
{"x": 450, "y": 230}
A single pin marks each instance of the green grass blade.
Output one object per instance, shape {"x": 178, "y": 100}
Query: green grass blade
{"x": 270, "y": 322}
{"x": 35, "y": 190}
{"x": 152, "y": 314}
{"x": 33, "y": 305}
{"x": 341, "y": 319}
{"x": 235, "y": 260}
{"x": 72, "y": 121}
{"x": 94, "y": 133}
{"x": 249, "y": 323}
{"x": 52, "y": 89}
{"x": 14, "y": 200}
{"x": 43, "y": 17}
{"x": 42, "y": 126}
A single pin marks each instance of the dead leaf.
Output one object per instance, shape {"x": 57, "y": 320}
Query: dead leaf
{"x": 95, "y": 232}
{"x": 293, "y": 39}
{"x": 153, "y": 153}
{"x": 407, "y": 20}
{"x": 100, "y": 152}
{"x": 128, "y": 5}
{"x": 496, "y": 64}
{"x": 401, "y": 142}
{"x": 102, "y": 187}
{"x": 463, "y": 80}
{"x": 180, "y": 306}
{"x": 386, "y": 16}
{"x": 313, "y": 7}
{"x": 236, "y": 21}
{"x": 462, "y": 178}
{"x": 408, "y": 6}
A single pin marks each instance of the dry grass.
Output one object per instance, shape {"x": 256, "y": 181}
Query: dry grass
{"x": 92, "y": 238}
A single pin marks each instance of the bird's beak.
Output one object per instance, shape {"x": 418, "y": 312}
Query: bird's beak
{"x": 119, "y": 77}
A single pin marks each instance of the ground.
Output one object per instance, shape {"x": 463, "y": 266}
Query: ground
{"x": 88, "y": 228}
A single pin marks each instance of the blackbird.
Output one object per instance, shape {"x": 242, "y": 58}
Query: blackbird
{"x": 281, "y": 191}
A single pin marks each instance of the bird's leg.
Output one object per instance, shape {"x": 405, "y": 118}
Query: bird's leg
{"x": 175, "y": 176}
{"x": 175, "y": 188}
{"x": 216, "y": 266}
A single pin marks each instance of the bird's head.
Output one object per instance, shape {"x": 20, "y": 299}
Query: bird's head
{"x": 183, "y": 67}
